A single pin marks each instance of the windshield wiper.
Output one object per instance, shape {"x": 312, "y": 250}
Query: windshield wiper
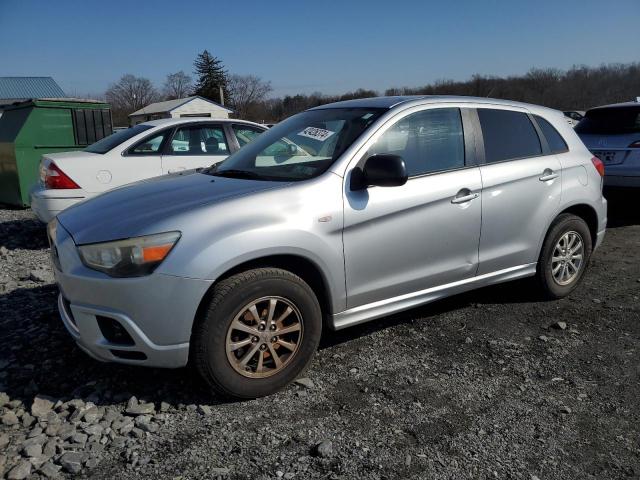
{"x": 236, "y": 174}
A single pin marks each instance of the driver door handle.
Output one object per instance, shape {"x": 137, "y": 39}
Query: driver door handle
{"x": 464, "y": 196}
{"x": 547, "y": 175}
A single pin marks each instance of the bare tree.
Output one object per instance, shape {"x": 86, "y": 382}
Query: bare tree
{"x": 245, "y": 92}
{"x": 131, "y": 93}
{"x": 177, "y": 85}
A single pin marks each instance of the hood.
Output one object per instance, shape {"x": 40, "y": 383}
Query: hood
{"x": 66, "y": 155}
{"x": 129, "y": 211}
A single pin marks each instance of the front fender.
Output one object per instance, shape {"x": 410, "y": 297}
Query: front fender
{"x": 304, "y": 221}
{"x": 235, "y": 250}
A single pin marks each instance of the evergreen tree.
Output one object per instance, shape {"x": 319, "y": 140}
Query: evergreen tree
{"x": 211, "y": 76}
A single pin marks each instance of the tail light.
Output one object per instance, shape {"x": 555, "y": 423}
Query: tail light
{"x": 599, "y": 165}
{"x": 56, "y": 179}
{"x": 635, "y": 144}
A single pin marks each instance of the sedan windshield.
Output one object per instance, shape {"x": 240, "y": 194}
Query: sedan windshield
{"x": 115, "y": 139}
{"x": 302, "y": 147}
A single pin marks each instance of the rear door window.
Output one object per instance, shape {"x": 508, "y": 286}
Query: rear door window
{"x": 508, "y": 135}
{"x": 554, "y": 139}
{"x": 199, "y": 140}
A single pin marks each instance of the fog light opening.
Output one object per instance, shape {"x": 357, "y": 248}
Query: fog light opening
{"x": 114, "y": 332}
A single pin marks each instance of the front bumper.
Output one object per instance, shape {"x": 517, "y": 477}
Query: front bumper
{"x": 46, "y": 204}
{"x": 82, "y": 323}
{"x": 157, "y": 311}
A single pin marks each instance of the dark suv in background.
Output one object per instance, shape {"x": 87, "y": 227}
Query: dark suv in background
{"x": 612, "y": 133}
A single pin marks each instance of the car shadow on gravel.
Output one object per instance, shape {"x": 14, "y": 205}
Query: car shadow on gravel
{"x": 28, "y": 234}
{"x": 518, "y": 291}
{"x": 40, "y": 357}
{"x": 623, "y": 208}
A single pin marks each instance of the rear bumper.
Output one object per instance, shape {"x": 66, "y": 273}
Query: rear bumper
{"x": 46, "y": 204}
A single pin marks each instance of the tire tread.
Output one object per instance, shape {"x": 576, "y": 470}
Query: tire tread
{"x": 552, "y": 292}
{"x": 202, "y": 327}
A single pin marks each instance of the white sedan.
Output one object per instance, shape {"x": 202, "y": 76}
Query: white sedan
{"x": 147, "y": 150}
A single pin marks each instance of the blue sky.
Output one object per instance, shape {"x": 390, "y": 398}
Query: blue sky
{"x": 307, "y": 46}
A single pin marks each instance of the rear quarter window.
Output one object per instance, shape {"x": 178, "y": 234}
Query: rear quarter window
{"x": 554, "y": 139}
{"x": 112, "y": 141}
{"x": 508, "y": 135}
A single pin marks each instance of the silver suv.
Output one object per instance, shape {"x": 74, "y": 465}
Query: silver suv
{"x": 338, "y": 215}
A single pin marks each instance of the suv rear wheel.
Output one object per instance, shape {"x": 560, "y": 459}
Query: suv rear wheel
{"x": 565, "y": 256}
{"x": 259, "y": 332}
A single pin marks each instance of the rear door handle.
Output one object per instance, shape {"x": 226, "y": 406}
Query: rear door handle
{"x": 547, "y": 175}
{"x": 464, "y": 196}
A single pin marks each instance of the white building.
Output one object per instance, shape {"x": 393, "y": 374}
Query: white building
{"x": 181, "y": 107}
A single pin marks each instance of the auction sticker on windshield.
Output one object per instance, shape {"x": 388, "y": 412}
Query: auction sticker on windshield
{"x": 316, "y": 133}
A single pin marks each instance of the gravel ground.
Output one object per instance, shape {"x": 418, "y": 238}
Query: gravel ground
{"x": 489, "y": 384}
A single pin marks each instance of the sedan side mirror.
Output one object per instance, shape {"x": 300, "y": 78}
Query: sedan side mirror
{"x": 383, "y": 170}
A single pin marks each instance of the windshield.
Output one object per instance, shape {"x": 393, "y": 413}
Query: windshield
{"x": 115, "y": 139}
{"x": 616, "y": 120}
{"x": 301, "y": 147}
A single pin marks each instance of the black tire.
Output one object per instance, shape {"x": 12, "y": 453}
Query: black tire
{"x": 563, "y": 224}
{"x": 209, "y": 335}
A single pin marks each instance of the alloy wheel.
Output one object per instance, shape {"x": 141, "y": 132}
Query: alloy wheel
{"x": 264, "y": 337}
{"x": 567, "y": 258}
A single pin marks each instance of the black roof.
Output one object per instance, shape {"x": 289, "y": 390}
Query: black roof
{"x": 615, "y": 105}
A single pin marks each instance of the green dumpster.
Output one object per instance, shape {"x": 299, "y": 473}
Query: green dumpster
{"x": 34, "y": 127}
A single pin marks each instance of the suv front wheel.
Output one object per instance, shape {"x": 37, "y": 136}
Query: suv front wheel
{"x": 259, "y": 332}
{"x": 565, "y": 256}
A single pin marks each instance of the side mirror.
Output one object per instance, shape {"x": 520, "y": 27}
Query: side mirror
{"x": 383, "y": 170}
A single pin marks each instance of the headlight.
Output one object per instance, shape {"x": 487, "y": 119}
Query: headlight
{"x": 133, "y": 257}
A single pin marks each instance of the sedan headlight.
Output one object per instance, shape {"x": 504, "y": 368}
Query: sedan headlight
{"x": 133, "y": 257}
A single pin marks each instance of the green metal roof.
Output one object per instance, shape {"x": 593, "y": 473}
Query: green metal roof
{"x": 16, "y": 88}
{"x": 60, "y": 102}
